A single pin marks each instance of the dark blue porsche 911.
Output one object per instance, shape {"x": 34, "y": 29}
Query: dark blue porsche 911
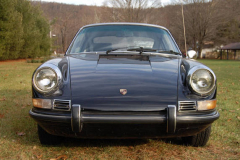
{"x": 124, "y": 80}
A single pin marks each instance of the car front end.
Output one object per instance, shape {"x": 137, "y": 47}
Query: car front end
{"x": 105, "y": 88}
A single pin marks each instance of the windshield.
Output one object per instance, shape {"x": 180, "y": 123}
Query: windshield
{"x": 122, "y": 37}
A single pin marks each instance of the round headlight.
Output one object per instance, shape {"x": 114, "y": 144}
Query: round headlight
{"x": 201, "y": 80}
{"x": 47, "y": 78}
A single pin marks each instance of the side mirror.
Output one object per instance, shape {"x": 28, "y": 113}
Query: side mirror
{"x": 192, "y": 54}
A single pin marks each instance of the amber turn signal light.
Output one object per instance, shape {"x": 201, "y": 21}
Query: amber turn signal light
{"x": 42, "y": 103}
{"x": 207, "y": 105}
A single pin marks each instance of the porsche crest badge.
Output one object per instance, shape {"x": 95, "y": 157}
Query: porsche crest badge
{"x": 123, "y": 91}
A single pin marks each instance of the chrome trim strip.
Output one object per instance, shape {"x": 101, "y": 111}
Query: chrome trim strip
{"x": 118, "y": 119}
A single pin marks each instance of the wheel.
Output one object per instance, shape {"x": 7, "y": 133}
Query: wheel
{"x": 48, "y": 139}
{"x": 200, "y": 139}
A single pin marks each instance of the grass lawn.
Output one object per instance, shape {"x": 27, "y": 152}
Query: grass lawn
{"x": 18, "y": 132}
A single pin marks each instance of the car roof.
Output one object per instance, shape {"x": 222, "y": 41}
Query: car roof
{"x": 125, "y": 23}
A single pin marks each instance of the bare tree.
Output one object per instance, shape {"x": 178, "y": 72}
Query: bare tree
{"x": 131, "y": 10}
{"x": 229, "y": 30}
{"x": 202, "y": 17}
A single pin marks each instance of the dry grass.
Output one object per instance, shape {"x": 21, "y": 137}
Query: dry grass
{"x": 19, "y": 140}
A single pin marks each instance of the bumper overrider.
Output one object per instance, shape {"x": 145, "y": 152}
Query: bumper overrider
{"x": 96, "y": 124}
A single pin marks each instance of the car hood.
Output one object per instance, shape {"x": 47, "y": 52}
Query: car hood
{"x": 150, "y": 81}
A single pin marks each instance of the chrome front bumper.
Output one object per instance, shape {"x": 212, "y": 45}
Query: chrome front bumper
{"x": 168, "y": 119}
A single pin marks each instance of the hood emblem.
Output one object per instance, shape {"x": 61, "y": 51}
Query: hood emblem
{"x": 123, "y": 91}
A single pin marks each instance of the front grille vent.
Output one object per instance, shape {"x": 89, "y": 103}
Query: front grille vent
{"x": 64, "y": 105}
{"x": 187, "y": 106}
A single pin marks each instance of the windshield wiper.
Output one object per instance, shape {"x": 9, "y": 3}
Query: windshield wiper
{"x": 170, "y": 51}
{"x": 141, "y": 49}
{"x": 110, "y": 50}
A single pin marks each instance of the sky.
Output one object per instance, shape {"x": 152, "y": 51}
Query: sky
{"x": 89, "y": 2}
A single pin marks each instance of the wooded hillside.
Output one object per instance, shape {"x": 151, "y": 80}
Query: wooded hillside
{"x": 25, "y": 33}
{"x": 217, "y": 21}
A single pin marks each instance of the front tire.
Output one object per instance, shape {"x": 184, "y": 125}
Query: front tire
{"x": 198, "y": 140}
{"x": 48, "y": 139}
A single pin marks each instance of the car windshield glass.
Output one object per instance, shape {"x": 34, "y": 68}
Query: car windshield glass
{"x": 120, "y": 38}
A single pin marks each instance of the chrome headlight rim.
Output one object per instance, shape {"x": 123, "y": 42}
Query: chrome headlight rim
{"x": 58, "y": 74}
{"x": 189, "y": 79}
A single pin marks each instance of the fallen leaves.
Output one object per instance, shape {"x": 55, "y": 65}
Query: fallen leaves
{"x": 21, "y": 133}
{"x": 3, "y": 99}
{"x": 221, "y": 91}
{"x": 1, "y": 116}
{"x": 39, "y": 156}
{"x": 62, "y": 157}
{"x": 237, "y": 102}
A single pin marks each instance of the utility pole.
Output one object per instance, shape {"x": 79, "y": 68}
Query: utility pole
{"x": 184, "y": 30}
